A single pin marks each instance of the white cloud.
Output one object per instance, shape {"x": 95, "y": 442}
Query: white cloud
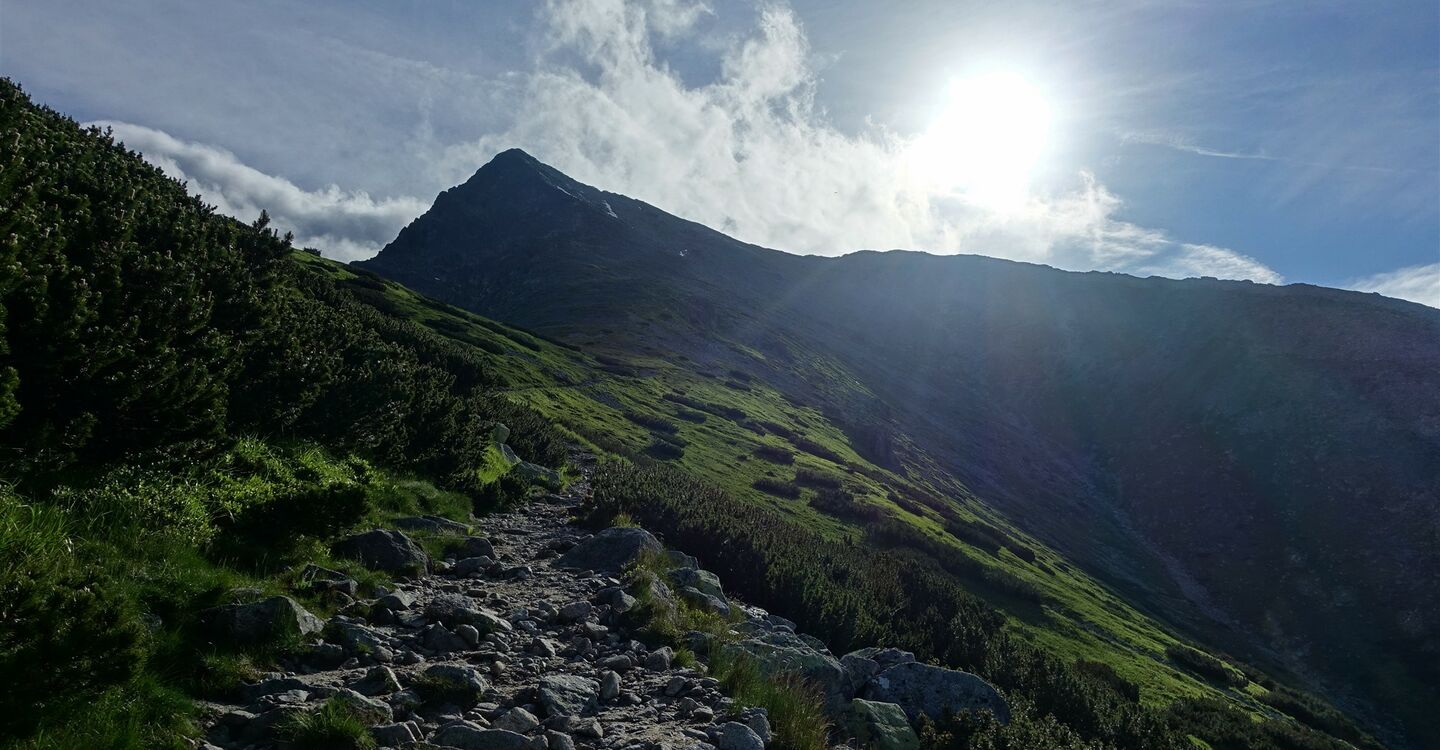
{"x": 748, "y": 152}
{"x": 347, "y": 225}
{"x": 1415, "y": 283}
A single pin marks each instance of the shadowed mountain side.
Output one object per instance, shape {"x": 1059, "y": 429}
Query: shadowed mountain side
{"x": 1258, "y": 464}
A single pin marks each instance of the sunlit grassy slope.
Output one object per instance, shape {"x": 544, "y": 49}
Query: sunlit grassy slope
{"x": 717, "y": 425}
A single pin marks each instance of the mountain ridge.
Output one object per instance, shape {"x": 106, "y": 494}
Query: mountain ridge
{"x": 1021, "y": 381}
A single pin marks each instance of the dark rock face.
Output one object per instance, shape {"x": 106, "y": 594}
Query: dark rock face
{"x": 921, "y": 689}
{"x": 265, "y": 620}
{"x": 610, "y": 550}
{"x": 383, "y": 549}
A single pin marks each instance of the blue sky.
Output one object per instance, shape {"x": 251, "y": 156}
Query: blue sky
{"x": 1282, "y": 142}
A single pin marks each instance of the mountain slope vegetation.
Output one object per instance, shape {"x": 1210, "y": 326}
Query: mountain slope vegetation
{"x": 191, "y": 405}
{"x": 1253, "y": 465}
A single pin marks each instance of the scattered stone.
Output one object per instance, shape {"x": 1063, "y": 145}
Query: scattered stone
{"x": 737, "y": 736}
{"x": 469, "y": 634}
{"x": 394, "y": 735}
{"x": 568, "y": 695}
{"x": 386, "y": 550}
{"x": 474, "y": 546}
{"x": 659, "y": 660}
{"x": 266, "y": 620}
{"x": 516, "y": 720}
{"x": 396, "y": 601}
{"x": 467, "y": 735}
{"x": 368, "y": 710}
{"x": 610, "y": 550}
{"x": 609, "y": 686}
{"x": 378, "y": 681}
{"x": 701, "y": 580}
{"x": 576, "y": 611}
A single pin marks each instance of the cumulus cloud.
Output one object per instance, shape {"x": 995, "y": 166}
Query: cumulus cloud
{"x": 751, "y": 154}
{"x": 1415, "y": 283}
{"x": 348, "y": 225}
{"x": 748, "y": 152}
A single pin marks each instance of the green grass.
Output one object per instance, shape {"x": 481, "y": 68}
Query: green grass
{"x": 606, "y": 411}
{"x": 331, "y": 727}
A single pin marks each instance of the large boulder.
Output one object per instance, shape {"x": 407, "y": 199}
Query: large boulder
{"x": 467, "y": 736}
{"x": 780, "y": 652}
{"x": 610, "y": 550}
{"x": 568, "y": 695}
{"x": 386, "y": 550}
{"x": 881, "y": 726}
{"x": 701, "y": 580}
{"x": 921, "y": 689}
{"x": 366, "y": 709}
{"x": 266, "y": 620}
{"x": 737, "y": 736}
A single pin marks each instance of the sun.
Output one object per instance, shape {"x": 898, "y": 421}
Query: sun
{"x": 987, "y": 142}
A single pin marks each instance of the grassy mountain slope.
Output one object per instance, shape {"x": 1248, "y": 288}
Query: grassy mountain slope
{"x": 1254, "y": 465}
{"x": 191, "y": 405}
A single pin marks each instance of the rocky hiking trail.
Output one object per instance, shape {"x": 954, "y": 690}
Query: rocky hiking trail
{"x": 524, "y": 637}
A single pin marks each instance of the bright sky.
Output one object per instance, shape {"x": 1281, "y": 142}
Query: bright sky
{"x": 1276, "y": 141}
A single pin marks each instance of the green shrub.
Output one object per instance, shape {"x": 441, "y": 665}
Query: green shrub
{"x": 817, "y": 479}
{"x": 816, "y": 449}
{"x": 658, "y": 424}
{"x": 775, "y": 454}
{"x": 665, "y": 450}
{"x": 777, "y": 488}
{"x": 1205, "y": 665}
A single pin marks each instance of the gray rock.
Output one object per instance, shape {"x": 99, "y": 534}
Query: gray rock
{"x": 537, "y": 474}
{"x": 701, "y": 580}
{"x": 782, "y": 652}
{"x": 516, "y": 720}
{"x": 885, "y": 657}
{"x": 396, "y": 601}
{"x": 882, "y": 726}
{"x": 270, "y": 619}
{"x": 383, "y": 549}
{"x": 568, "y": 695}
{"x": 609, "y": 686}
{"x": 437, "y": 638}
{"x": 559, "y": 741}
{"x": 659, "y": 660}
{"x": 610, "y": 550}
{"x": 758, "y": 719}
{"x": 471, "y": 566}
{"x": 475, "y": 546}
{"x": 921, "y": 689}
{"x": 468, "y": 633}
{"x": 361, "y": 640}
{"x": 456, "y": 677}
{"x": 705, "y": 602}
{"x": 368, "y": 710}
{"x": 325, "y": 579}
{"x": 737, "y": 736}
{"x": 465, "y": 735}
{"x": 576, "y": 611}
{"x": 378, "y": 681}
{"x": 858, "y": 671}
{"x": 393, "y": 735}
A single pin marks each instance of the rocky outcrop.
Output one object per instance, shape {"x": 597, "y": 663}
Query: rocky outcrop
{"x": 880, "y": 726}
{"x": 921, "y": 689}
{"x": 268, "y": 620}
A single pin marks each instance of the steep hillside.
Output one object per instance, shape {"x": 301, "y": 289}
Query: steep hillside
{"x": 1255, "y": 465}
{"x": 197, "y": 420}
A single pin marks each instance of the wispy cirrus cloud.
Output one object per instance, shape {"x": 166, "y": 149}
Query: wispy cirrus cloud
{"x": 1414, "y": 283}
